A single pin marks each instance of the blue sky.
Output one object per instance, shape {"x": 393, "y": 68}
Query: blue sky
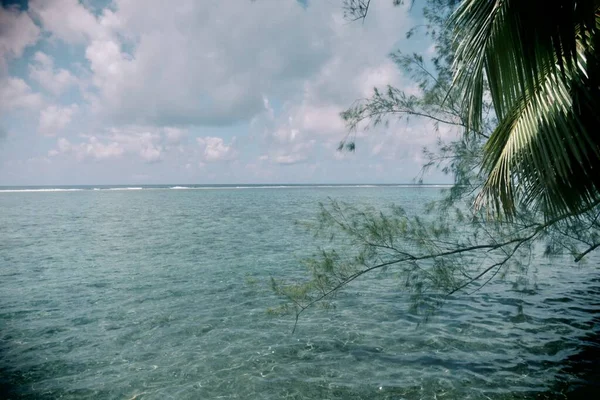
{"x": 192, "y": 91}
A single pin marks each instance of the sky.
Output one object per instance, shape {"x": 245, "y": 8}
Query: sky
{"x": 186, "y": 91}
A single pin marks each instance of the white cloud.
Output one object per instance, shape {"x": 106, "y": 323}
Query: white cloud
{"x": 92, "y": 149}
{"x": 321, "y": 119}
{"x": 67, "y": 20}
{"x": 111, "y": 68}
{"x": 145, "y": 142}
{"x": 151, "y": 154}
{"x": 175, "y": 135}
{"x": 378, "y": 76}
{"x": 289, "y": 159}
{"x": 63, "y": 145}
{"x": 148, "y": 74}
{"x": 404, "y": 140}
{"x": 292, "y": 137}
{"x": 151, "y": 145}
{"x": 289, "y": 146}
{"x": 192, "y": 65}
{"x": 215, "y": 149}
{"x": 53, "y": 119}
{"x": 95, "y": 149}
{"x": 43, "y": 72}
{"x": 17, "y": 31}
{"x": 15, "y": 93}
{"x": 358, "y": 62}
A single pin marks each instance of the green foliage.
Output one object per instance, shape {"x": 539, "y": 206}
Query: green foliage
{"x": 543, "y": 75}
{"x": 452, "y": 246}
{"x": 447, "y": 250}
{"x": 355, "y": 10}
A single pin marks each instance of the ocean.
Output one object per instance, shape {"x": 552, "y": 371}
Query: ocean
{"x": 161, "y": 292}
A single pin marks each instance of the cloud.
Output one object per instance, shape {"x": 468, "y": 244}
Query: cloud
{"x": 43, "y": 72}
{"x": 17, "y": 31}
{"x": 147, "y": 143}
{"x": 377, "y": 76}
{"x": 67, "y": 20}
{"x": 214, "y": 149}
{"x": 276, "y": 74}
{"x": 289, "y": 159}
{"x": 195, "y": 67}
{"x": 287, "y": 145}
{"x": 357, "y": 64}
{"x": 191, "y": 65}
{"x": 175, "y": 135}
{"x": 151, "y": 154}
{"x": 54, "y": 119}
{"x": 150, "y": 144}
{"x": 15, "y": 94}
{"x": 92, "y": 149}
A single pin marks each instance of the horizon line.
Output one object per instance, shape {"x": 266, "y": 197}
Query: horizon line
{"x": 226, "y": 184}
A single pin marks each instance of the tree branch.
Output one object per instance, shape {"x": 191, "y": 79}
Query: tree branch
{"x": 589, "y": 250}
{"x": 518, "y": 242}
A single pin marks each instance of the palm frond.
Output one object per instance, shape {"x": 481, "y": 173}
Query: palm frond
{"x": 541, "y": 153}
{"x": 540, "y": 61}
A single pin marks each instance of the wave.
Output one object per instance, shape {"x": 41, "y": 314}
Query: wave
{"x": 239, "y": 187}
{"x": 292, "y": 186}
{"x": 347, "y": 186}
{"x": 39, "y": 190}
{"x": 425, "y": 186}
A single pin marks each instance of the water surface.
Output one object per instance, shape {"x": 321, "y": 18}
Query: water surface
{"x": 158, "y": 293}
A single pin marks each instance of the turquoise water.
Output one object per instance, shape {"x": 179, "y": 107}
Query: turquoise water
{"x": 160, "y": 294}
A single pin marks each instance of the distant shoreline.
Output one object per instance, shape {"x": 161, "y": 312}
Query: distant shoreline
{"x": 80, "y": 188}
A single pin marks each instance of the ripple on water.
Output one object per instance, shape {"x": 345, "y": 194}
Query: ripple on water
{"x": 155, "y": 294}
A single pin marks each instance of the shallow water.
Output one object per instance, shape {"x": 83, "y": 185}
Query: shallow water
{"x": 159, "y": 294}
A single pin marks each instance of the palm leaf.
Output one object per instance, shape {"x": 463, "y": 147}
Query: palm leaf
{"x": 540, "y": 62}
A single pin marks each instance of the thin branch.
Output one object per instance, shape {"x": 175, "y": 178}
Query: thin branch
{"x": 358, "y": 9}
{"x": 490, "y": 247}
{"x": 589, "y": 250}
{"x": 409, "y": 112}
{"x": 411, "y": 258}
{"x": 498, "y": 265}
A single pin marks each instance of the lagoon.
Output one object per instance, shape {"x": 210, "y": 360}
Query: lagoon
{"x": 160, "y": 292}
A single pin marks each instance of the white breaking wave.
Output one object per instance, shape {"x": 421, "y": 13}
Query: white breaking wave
{"x": 38, "y": 190}
{"x": 346, "y": 186}
{"x": 263, "y": 187}
{"x": 26, "y": 190}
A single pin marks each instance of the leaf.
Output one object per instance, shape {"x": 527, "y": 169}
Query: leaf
{"x": 543, "y": 75}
